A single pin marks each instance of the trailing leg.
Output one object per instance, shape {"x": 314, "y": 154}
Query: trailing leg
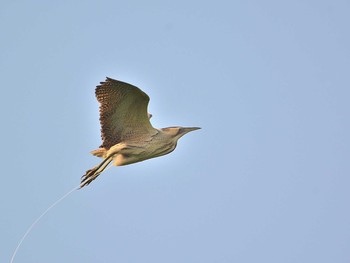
{"x": 94, "y": 172}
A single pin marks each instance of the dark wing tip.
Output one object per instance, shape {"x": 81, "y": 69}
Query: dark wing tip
{"x": 127, "y": 86}
{"x": 107, "y": 80}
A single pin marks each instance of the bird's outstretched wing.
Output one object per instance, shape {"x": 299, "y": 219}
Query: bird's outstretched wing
{"x": 123, "y": 112}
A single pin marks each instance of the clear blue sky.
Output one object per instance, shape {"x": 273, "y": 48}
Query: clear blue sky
{"x": 265, "y": 180}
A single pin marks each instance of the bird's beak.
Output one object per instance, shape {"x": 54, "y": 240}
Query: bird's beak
{"x": 188, "y": 129}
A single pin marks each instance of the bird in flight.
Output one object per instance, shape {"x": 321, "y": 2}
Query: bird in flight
{"x": 127, "y": 134}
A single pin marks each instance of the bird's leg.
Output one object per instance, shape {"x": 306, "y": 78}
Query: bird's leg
{"x": 94, "y": 172}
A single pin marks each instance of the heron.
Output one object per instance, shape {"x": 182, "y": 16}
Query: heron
{"x": 127, "y": 134}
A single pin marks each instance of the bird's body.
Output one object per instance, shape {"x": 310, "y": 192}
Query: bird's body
{"x": 127, "y": 134}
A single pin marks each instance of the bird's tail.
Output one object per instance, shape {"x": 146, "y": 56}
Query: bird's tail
{"x": 100, "y": 152}
{"x": 92, "y": 173}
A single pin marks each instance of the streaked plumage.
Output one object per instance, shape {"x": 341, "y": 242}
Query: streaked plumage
{"x": 127, "y": 134}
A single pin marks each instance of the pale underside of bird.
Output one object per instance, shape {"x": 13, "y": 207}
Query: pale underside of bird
{"x": 127, "y": 134}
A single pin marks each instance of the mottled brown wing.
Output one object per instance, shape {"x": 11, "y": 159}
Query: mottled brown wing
{"x": 123, "y": 113}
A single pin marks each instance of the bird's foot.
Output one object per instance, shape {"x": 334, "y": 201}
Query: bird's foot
{"x": 89, "y": 176}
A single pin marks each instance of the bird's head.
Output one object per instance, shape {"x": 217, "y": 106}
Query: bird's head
{"x": 178, "y": 132}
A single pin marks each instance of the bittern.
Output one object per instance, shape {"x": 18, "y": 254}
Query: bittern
{"x": 127, "y": 134}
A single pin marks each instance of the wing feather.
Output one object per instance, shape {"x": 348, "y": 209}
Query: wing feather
{"x": 123, "y": 112}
